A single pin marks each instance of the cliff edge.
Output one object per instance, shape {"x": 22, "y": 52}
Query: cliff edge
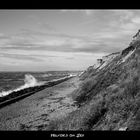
{"x": 109, "y": 95}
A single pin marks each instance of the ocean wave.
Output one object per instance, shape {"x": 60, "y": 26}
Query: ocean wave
{"x": 29, "y": 80}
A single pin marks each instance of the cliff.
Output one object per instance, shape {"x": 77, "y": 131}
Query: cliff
{"x": 109, "y": 95}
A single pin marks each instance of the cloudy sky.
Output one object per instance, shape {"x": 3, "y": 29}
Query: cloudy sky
{"x": 42, "y": 40}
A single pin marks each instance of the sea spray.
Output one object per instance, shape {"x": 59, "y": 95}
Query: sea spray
{"x": 30, "y": 81}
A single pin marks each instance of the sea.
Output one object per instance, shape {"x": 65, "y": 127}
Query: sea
{"x": 16, "y": 81}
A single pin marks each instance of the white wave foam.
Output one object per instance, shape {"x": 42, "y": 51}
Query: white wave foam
{"x": 30, "y": 81}
{"x": 46, "y": 75}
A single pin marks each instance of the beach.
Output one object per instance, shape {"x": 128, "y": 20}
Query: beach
{"x": 36, "y": 111}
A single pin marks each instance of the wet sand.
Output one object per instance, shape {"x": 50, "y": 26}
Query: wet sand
{"x": 37, "y": 110}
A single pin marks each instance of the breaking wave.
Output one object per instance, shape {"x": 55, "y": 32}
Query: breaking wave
{"x": 30, "y": 81}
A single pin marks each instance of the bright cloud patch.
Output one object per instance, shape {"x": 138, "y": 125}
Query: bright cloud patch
{"x": 64, "y": 39}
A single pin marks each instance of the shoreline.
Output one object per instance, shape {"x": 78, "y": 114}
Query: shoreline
{"x": 36, "y": 111}
{"x": 23, "y": 93}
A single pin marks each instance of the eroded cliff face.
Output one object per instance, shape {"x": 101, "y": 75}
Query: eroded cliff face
{"x": 109, "y": 96}
{"x": 121, "y": 57}
{"x": 117, "y": 82}
{"x": 100, "y": 64}
{"x": 106, "y": 60}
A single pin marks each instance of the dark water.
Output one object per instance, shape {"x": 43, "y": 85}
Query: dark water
{"x": 12, "y": 80}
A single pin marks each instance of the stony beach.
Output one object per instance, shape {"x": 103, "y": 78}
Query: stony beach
{"x": 36, "y": 111}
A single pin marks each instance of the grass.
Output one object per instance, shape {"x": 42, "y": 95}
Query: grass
{"x": 81, "y": 119}
{"x": 108, "y": 101}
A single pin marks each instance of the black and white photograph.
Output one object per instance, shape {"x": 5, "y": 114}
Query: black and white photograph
{"x": 69, "y": 70}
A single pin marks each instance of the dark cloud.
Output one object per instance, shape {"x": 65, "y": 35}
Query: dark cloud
{"x": 21, "y": 57}
{"x": 71, "y": 43}
{"x": 99, "y": 48}
{"x": 47, "y": 27}
{"x": 3, "y": 37}
{"x": 29, "y": 32}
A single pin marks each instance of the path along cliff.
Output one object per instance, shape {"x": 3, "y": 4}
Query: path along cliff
{"x": 104, "y": 97}
{"x": 108, "y": 97}
{"x": 36, "y": 111}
